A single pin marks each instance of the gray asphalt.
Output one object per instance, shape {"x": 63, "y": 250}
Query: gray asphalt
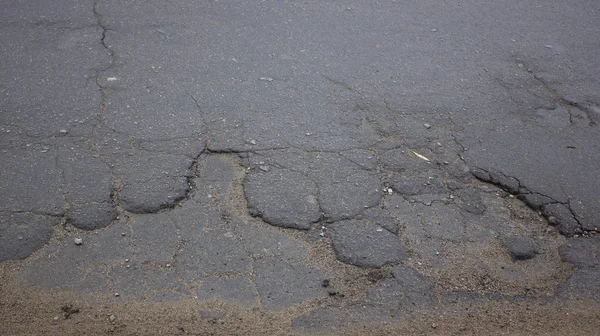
{"x": 227, "y": 139}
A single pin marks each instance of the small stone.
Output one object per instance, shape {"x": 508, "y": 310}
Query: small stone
{"x": 168, "y": 265}
{"x": 117, "y": 294}
{"x": 63, "y": 131}
{"x": 264, "y": 168}
{"x": 78, "y": 241}
{"x": 434, "y": 30}
{"x": 266, "y": 79}
{"x": 55, "y": 318}
{"x": 390, "y": 191}
{"x": 112, "y": 318}
{"x": 126, "y": 260}
{"x": 520, "y": 248}
{"x": 427, "y": 126}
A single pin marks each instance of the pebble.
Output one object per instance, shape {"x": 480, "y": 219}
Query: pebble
{"x": 264, "y": 168}
{"x": 117, "y": 294}
{"x": 427, "y": 126}
{"x": 63, "y": 131}
{"x": 78, "y": 241}
{"x": 266, "y": 79}
{"x": 112, "y": 318}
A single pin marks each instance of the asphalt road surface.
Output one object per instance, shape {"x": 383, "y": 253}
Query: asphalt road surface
{"x": 299, "y": 167}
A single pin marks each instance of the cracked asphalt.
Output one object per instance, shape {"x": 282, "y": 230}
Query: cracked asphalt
{"x": 299, "y": 167}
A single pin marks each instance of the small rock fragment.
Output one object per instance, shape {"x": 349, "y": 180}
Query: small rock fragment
{"x": 427, "y": 126}
{"x": 520, "y": 248}
{"x": 78, "y": 241}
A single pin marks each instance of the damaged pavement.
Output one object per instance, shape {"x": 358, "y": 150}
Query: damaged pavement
{"x": 292, "y": 168}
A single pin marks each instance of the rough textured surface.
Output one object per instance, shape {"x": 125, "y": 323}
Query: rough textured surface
{"x": 582, "y": 286}
{"x": 272, "y": 167}
{"x": 91, "y": 216}
{"x": 405, "y": 289}
{"x": 282, "y": 285}
{"x": 22, "y": 234}
{"x": 365, "y": 245}
{"x": 283, "y": 198}
{"x": 582, "y": 251}
{"x": 520, "y": 248}
{"x": 332, "y": 319}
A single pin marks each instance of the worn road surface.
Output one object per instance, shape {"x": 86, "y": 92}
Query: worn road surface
{"x": 299, "y": 167}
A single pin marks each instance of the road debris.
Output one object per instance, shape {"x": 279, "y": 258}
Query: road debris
{"x": 420, "y": 156}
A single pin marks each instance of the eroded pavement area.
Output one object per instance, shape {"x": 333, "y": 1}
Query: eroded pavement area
{"x": 287, "y": 168}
